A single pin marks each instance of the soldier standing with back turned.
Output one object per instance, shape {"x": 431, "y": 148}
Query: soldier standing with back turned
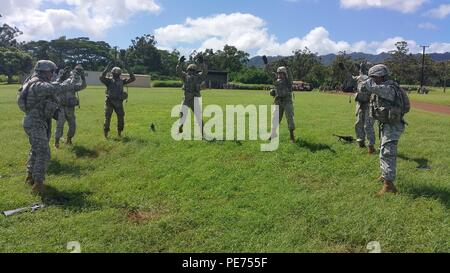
{"x": 364, "y": 122}
{"x": 37, "y": 98}
{"x": 67, "y": 103}
{"x": 389, "y": 106}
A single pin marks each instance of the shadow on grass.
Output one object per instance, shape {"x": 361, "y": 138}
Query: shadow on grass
{"x": 57, "y": 168}
{"x": 75, "y": 201}
{"x": 132, "y": 140}
{"x": 81, "y": 151}
{"x": 430, "y": 192}
{"x": 314, "y": 147}
{"x": 422, "y": 163}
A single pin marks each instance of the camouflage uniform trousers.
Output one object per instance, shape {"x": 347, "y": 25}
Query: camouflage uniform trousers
{"x": 189, "y": 102}
{"x": 66, "y": 114}
{"x": 364, "y": 124}
{"x": 285, "y": 106}
{"x": 116, "y": 106}
{"x": 390, "y": 135}
{"x": 39, "y": 156}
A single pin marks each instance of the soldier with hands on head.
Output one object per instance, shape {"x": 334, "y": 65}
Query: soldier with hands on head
{"x": 115, "y": 96}
{"x": 192, "y": 80}
{"x": 67, "y": 103}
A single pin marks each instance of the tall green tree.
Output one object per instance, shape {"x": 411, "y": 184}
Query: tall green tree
{"x": 229, "y": 59}
{"x": 91, "y": 54}
{"x": 14, "y": 61}
{"x": 8, "y": 35}
{"x": 143, "y": 56}
{"x": 403, "y": 65}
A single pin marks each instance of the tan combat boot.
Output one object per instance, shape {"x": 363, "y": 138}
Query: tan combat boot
{"x": 372, "y": 150}
{"x": 388, "y": 187}
{"x": 29, "y": 180}
{"x": 69, "y": 141}
{"x": 38, "y": 188}
{"x": 292, "y": 136}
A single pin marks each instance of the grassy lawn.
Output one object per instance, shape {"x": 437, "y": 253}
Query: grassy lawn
{"x": 436, "y": 96}
{"x": 149, "y": 193}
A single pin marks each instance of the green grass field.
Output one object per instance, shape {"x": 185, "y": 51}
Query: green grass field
{"x": 436, "y": 96}
{"x": 149, "y": 193}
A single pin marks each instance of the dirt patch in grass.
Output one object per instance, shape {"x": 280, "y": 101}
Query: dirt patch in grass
{"x": 142, "y": 216}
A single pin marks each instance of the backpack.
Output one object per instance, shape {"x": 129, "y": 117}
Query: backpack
{"x": 402, "y": 96}
{"x": 392, "y": 112}
{"x": 22, "y": 95}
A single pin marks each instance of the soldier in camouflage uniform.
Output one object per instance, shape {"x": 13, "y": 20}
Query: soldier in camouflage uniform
{"x": 364, "y": 122}
{"x": 192, "y": 81}
{"x": 283, "y": 98}
{"x": 38, "y": 100}
{"x": 385, "y": 110}
{"x": 115, "y": 97}
{"x": 67, "y": 103}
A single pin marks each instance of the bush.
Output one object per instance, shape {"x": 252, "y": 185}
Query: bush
{"x": 243, "y": 86}
{"x": 173, "y": 84}
{"x": 4, "y": 79}
{"x": 251, "y": 76}
{"x": 158, "y": 77}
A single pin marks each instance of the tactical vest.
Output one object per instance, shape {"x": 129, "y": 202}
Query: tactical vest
{"x": 68, "y": 99}
{"x": 44, "y": 106}
{"x": 283, "y": 88}
{"x": 115, "y": 90}
{"x": 391, "y": 112}
{"x": 191, "y": 84}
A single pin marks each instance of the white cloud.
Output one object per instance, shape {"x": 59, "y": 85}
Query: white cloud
{"x": 428, "y": 25}
{"x": 405, "y": 6}
{"x": 92, "y": 17}
{"x": 249, "y": 33}
{"x": 440, "y": 12}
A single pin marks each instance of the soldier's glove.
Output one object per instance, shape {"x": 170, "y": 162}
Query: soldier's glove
{"x": 66, "y": 74}
{"x": 265, "y": 59}
{"x": 273, "y": 93}
{"x": 182, "y": 59}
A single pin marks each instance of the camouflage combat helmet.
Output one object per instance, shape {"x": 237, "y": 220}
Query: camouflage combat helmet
{"x": 45, "y": 66}
{"x": 192, "y": 67}
{"x": 282, "y": 69}
{"x": 116, "y": 70}
{"x": 379, "y": 70}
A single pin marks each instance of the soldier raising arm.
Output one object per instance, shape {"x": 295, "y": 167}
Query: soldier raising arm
{"x": 38, "y": 100}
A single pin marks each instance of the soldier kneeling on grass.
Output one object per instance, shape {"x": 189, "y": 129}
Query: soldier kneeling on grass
{"x": 389, "y": 106}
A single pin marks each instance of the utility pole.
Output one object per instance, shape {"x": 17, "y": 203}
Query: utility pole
{"x": 423, "y": 70}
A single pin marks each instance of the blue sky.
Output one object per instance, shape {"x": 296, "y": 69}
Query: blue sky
{"x": 258, "y": 26}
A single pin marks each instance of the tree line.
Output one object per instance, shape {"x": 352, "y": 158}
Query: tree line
{"x": 143, "y": 57}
